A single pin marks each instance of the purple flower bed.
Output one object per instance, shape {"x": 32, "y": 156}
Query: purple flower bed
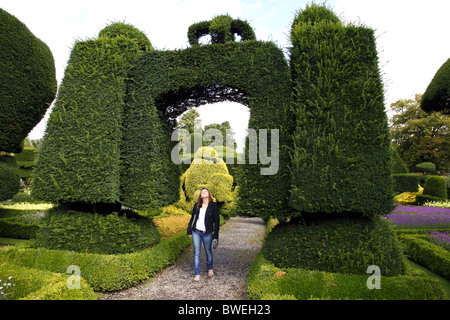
{"x": 417, "y": 209}
{"x": 415, "y": 217}
{"x": 440, "y": 238}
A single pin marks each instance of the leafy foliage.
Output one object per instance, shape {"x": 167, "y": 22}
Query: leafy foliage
{"x": 420, "y": 136}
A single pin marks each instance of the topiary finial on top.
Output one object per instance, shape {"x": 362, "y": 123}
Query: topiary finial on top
{"x": 222, "y": 29}
{"x": 313, "y": 14}
{"x": 120, "y": 29}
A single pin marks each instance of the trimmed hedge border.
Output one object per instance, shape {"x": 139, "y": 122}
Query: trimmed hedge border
{"x": 11, "y": 228}
{"x": 102, "y": 272}
{"x": 267, "y": 282}
{"x": 33, "y": 284}
{"x": 426, "y": 253}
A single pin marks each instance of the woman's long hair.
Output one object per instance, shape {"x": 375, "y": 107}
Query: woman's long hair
{"x": 200, "y": 201}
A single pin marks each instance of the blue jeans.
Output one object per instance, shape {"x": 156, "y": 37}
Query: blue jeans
{"x": 197, "y": 239}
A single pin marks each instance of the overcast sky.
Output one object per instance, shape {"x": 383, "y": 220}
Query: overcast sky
{"x": 412, "y": 35}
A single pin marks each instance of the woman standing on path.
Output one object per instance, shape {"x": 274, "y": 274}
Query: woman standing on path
{"x": 204, "y": 228}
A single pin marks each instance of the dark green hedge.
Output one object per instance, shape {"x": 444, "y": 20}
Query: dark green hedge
{"x": 437, "y": 94}
{"x": 340, "y": 245}
{"x": 398, "y": 166}
{"x": 80, "y": 156}
{"x": 436, "y": 186}
{"x": 426, "y": 253}
{"x": 252, "y": 72}
{"x": 13, "y": 228}
{"x": 9, "y": 178}
{"x": 27, "y": 81}
{"x": 341, "y": 153}
{"x": 406, "y": 182}
{"x": 96, "y": 233}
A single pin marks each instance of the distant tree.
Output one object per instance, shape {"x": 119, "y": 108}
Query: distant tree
{"x": 227, "y": 134}
{"x": 190, "y": 120}
{"x": 420, "y": 136}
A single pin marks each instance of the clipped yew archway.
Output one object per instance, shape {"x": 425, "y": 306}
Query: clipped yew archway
{"x": 253, "y": 73}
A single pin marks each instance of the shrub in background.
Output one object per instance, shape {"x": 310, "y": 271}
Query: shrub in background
{"x": 9, "y": 178}
{"x": 406, "y": 182}
{"x": 436, "y": 186}
{"x": 341, "y": 151}
{"x": 26, "y": 160}
{"x": 398, "y": 166}
{"x": 426, "y": 167}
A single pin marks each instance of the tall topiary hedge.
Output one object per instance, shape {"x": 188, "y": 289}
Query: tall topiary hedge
{"x": 27, "y": 81}
{"x": 341, "y": 156}
{"x": 81, "y": 155}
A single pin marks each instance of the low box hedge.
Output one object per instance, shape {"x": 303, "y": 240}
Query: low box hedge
{"x": 267, "y": 282}
{"x": 115, "y": 233}
{"x": 12, "y": 228}
{"x": 426, "y": 253}
{"x": 102, "y": 272}
{"x": 33, "y": 284}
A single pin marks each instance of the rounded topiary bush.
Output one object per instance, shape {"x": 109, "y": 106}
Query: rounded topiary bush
{"x": 336, "y": 245}
{"x": 27, "y": 81}
{"x": 207, "y": 170}
{"x": 96, "y": 233}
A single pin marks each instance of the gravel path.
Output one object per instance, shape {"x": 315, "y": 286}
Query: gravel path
{"x": 240, "y": 239}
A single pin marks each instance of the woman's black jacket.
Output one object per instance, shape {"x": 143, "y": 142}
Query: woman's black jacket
{"x": 212, "y": 219}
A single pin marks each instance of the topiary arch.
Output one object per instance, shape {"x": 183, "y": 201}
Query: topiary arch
{"x": 108, "y": 138}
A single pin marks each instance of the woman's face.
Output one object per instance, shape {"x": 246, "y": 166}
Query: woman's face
{"x": 204, "y": 193}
